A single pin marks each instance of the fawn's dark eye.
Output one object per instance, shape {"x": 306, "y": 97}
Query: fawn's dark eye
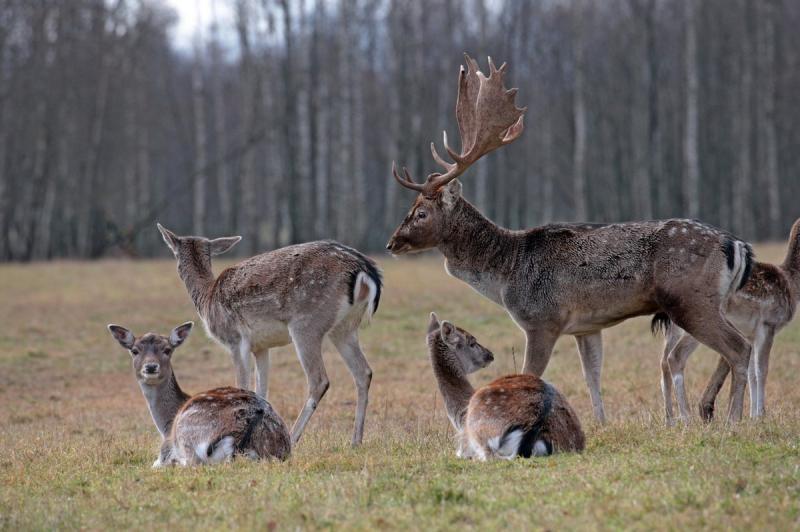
{"x": 421, "y": 214}
{"x": 168, "y": 351}
{"x": 134, "y": 351}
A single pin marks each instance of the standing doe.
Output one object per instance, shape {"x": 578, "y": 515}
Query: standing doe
{"x": 296, "y": 294}
{"x": 515, "y": 415}
{"x": 209, "y": 427}
{"x": 763, "y": 306}
{"x": 572, "y": 279}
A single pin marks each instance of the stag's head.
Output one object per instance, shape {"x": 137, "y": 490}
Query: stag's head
{"x": 487, "y": 119}
{"x": 152, "y": 353}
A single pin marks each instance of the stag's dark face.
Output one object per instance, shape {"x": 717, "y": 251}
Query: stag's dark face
{"x": 425, "y": 225}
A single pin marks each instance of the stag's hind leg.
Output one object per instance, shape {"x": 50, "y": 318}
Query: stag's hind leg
{"x": 347, "y": 344}
{"x": 710, "y": 327}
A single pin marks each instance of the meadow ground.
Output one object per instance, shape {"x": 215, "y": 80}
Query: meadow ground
{"x": 76, "y": 440}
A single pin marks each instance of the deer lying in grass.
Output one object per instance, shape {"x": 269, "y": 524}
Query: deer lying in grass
{"x": 515, "y": 415}
{"x": 568, "y": 278}
{"x": 209, "y": 427}
{"x": 761, "y": 308}
{"x": 296, "y": 294}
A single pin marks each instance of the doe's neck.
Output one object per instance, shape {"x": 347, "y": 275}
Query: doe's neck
{"x": 164, "y": 400}
{"x": 453, "y": 384}
{"x": 196, "y": 273}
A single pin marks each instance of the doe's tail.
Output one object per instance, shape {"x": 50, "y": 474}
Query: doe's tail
{"x": 791, "y": 264}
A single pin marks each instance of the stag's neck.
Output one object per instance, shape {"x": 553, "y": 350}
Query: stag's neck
{"x": 199, "y": 280}
{"x": 164, "y": 400}
{"x": 478, "y": 251}
{"x": 453, "y": 384}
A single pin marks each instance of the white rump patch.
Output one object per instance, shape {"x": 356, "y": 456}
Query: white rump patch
{"x": 510, "y": 446}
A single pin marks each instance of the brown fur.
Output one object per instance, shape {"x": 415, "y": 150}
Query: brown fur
{"x": 517, "y": 401}
{"x": 298, "y": 294}
{"x": 761, "y": 308}
{"x": 203, "y": 421}
{"x": 578, "y": 279}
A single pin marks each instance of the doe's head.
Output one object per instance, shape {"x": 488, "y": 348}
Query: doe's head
{"x": 196, "y": 248}
{"x": 465, "y": 350}
{"x": 151, "y": 354}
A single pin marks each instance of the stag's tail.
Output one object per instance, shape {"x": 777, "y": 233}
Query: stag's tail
{"x": 791, "y": 264}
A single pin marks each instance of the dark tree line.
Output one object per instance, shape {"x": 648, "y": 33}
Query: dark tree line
{"x": 283, "y": 127}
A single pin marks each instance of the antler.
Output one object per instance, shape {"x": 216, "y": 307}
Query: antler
{"x": 487, "y": 119}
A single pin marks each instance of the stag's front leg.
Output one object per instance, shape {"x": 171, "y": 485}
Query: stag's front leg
{"x": 538, "y": 348}
{"x": 590, "y": 347}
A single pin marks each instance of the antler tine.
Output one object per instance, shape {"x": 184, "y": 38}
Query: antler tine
{"x": 406, "y": 181}
{"x": 438, "y": 159}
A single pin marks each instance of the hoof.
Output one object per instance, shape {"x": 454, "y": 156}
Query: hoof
{"x": 707, "y": 412}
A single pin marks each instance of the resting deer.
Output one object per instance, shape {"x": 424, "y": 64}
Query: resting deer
{"x": 298, "y": 294}
{"x": 209, "y": 427}
{"x": 763, "y": 306}
{"x": 569, "y": 278}
{"x": 515, "y": 415}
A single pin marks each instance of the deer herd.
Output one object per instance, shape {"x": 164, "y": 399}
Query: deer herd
{"x": 702, "y": 285}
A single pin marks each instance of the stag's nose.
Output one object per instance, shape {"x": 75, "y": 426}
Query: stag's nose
{"x": 151, "y": 369}
{"x": 390, "y": 244}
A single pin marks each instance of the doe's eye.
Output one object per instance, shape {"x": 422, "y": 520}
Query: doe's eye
{"x": 168, "y": 351}
{"x": 134, "y": 351}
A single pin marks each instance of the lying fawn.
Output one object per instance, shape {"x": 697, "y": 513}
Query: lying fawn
{"x": 297, "y": 294}
{"x": 574, "y": 279}
{"x": 761, "y": 308}
{"x": 515, "y": 415}
{"x": 209, "y": 427}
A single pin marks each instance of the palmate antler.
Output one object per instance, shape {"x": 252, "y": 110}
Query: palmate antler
{"x": 487, "y": 119}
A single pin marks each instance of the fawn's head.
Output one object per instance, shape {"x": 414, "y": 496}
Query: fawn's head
{"x": 196, "y": 249}
{"x": 487, "y": 119}
{"x": 462, "y": 348}
{"x": 151, "y": 354}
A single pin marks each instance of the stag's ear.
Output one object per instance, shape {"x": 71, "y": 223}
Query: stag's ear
{"x": 449, "y": 333}
{"x": 122, "y": 335}
{"x": 433, "y": 325}
{"x": 450, "y": 193}
{"x": 180, "y": 333}
{"x": 171, "y": 239}
{"x": 224, "y": 244}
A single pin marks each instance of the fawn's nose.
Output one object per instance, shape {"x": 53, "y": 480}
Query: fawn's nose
{"x": 151, "y": 369}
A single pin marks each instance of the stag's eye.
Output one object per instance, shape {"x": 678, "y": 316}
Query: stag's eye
{"x": 135, "y": 351}
{"x": 421, "y": 214}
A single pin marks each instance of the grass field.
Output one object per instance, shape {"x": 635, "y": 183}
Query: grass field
{"x": 77, "y": 441}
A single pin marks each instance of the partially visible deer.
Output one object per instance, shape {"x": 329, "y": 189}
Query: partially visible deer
{"x": 763, "y": 306}
{"x": 573, "y": 279}
{"x": 515, "y": 415}
{"x": 298, "y": 294}
{"x": 209, "y": 427}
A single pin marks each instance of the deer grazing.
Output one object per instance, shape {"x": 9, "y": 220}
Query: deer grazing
{"x": 209, "y": 427}
{"x": 515, "y": 415}
{"x": 763, "y": 306}
{"x": 298, "y": 294}
{"x": 572, "y": 279}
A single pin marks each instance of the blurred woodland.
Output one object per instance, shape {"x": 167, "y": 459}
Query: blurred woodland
{"x": 282, "y": 127}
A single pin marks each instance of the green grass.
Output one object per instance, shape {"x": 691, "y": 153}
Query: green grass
{"x": 76, "y": 440}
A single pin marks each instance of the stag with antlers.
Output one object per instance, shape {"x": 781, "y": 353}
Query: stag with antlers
{"x": 574, "y": 279}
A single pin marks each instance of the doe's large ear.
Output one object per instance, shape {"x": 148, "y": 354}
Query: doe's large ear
{"x": 448, "y": 332}
{"x": 180, "y": 333}
{"x": 450, "y": 193}
{"x": 224, "y": 244}
{"x": 122, "y": 335}
{"x": 172, "y": 240}
{"x": 433, "y": 325}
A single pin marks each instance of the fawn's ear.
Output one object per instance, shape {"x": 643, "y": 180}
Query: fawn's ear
{"x": 448, "y": 332}
{"x": 122, "y": 335}
{"x": 450, "y": 193}
{"x": 224, "y": 244}
{"x": 180, "y": 333}
{"x": 172, "y": 240}
{"x": 433, "y": 325}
